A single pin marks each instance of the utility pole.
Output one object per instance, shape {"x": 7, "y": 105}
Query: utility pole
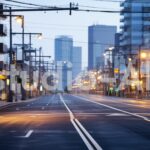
{"x": 39, "y": 82}
{"x": 70, "y": 11}
{"x": 10, "y": 99}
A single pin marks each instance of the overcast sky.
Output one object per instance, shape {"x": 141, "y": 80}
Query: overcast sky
{"x": 52, "y": 24}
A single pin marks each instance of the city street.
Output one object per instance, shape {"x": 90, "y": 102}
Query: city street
{"x": 76, "y": 122}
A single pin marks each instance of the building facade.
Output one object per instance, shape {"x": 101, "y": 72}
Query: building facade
{"x": 64, "y": 76}
{"x": 4, "y": 59}
{"x": 76, "y": 61}
{"x": 100, "y": 37}
{"x": 63, "y": 59}
{"x": 63, "y": 48}
{"x": 135, "y": 26}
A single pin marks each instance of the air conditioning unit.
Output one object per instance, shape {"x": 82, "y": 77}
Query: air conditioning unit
{"x": 3, "y": 30}
{"x": 3, "y": 48}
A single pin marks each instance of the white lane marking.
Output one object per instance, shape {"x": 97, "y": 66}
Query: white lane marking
{"x": 118, "y": 101}
{"x": 70, "y": 113}
{"x": 112, "y": 100}
{"x": 75, "y": 121}
{"x": 113, "y": 108}
{"x": 89, "y": 136}
{"x": 117, "y": 114}
{"x": 28, "y": 134}
{"x": 82, "y": 136}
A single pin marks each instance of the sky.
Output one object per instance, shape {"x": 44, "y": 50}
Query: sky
{"x": 53, "y": 24}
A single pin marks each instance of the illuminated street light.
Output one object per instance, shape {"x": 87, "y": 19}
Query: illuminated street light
{"x": 19, "y": 19}
{"x": 110, "y": 48}
{"x": 135, "y": 74}
{"x": 143, "y": 55}
{"x": 130, "y": 59}
{"x": 8, "y": 82}
{"x": 99, "y": 77}
{"x": 39, "y": 36}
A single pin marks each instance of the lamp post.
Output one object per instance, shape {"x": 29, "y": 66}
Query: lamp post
{"x": 10, "y": 99}
{"x": 40, "y": 56}
{"x": 30, "y": 51}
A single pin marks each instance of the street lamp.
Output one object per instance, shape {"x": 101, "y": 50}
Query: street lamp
{"x": 11, "y": 49}
{"x": 19, "y": 19}
{"x": 39, "y": 36}
{"x": 143, "y": 55}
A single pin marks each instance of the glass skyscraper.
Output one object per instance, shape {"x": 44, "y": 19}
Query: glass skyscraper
{"x": 100, "y": 37}
{"x": 63, "y": 59}
{"x": 63, "y": 48}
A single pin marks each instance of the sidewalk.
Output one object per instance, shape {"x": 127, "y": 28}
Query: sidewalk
{"x": 4, "y": 103}
{"x": 131, "y": 101}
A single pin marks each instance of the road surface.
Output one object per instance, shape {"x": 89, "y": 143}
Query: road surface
{"x": 75, "y": 122}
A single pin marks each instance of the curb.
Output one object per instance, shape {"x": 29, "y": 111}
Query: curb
{"x": 18, "y": 102}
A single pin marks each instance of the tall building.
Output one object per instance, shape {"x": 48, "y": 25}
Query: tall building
{"x": 63, "y": 48}
{"x": 76, "y": 61}
{"x": 64, "y": 72}
{"x": 135, "y": 25}
{"x": 100, "y": 37}
{"x": 63, "y": 59}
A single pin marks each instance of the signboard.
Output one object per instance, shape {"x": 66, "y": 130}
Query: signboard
{"x": 116, "y": 70}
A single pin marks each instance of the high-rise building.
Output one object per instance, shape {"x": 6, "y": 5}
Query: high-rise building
{"x": 76, "y": 61}
{"x": 63, "y": 59}
{"x": 63, "y": 48}
{"x": 64, "y": 72}
{"x": 135, "y": 25}
{"x": 100, "y": 37}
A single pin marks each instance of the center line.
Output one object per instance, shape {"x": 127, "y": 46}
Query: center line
{"x": 85, "y": 136}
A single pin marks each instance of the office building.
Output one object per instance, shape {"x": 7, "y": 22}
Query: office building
{"x": 64, "y": 76}
{"x": 63, "y": 48}
{"x": 100, "y": 37}
{"x": 76, "y": 61}
{"x": 63, "y": 59}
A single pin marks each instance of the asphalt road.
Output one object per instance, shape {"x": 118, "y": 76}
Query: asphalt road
{"x": 70, "y": 122}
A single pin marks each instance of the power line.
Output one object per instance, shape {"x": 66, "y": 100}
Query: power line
{"x": 110, "y": 11}
{"x": 120, "y": 1}
{"x": 41, "y": 9}
{"x": 94, "y": 7}
{"x": 96, "y": 43}
{"x": 13, "y": 5}
{"x": 31, "y": 4}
